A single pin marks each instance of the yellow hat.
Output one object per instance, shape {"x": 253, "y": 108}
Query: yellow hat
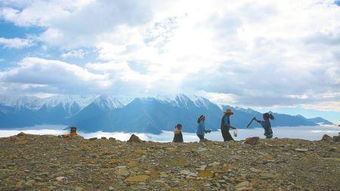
{"x": 228, "y": 111}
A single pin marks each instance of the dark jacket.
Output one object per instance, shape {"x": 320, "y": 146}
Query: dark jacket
{"x": 268, "y": 132}
{"x": 178, "y": 137}
{"x": 225, "y": 123}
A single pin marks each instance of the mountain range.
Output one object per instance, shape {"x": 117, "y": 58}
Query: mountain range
{"x": 148, "y": 115}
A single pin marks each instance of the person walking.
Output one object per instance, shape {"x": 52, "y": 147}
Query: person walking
{"x": 178, "y": 137}
{"x": 225, "y": 125}
{"x": 201, "y": 131}
{"x": 268, "y": 132}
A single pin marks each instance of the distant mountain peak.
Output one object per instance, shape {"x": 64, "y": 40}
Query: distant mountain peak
{"x": 183, "y": 101}
{"x": 107, "y": 102}
{"x": 320, "y": 120}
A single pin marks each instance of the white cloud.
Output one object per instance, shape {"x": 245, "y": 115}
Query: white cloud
{"x": 39, "y": 12}
{"x": 324, "y": 106}
{"x": 247, "y": 52}
{"x": 50, "y": 76}
{"x": 73, "y": 24}
{"x": 15, "y": 42}
{"x": 74, "y": 54}
{"x": 307, "y": 133}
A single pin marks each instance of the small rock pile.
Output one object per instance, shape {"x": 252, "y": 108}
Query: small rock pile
{"x": 252, "y": 140}
{"x": 134, "y": 139}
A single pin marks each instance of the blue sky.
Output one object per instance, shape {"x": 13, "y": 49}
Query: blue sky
{"x": 275, "y": 55}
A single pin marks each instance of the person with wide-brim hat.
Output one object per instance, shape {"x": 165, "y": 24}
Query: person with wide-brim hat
{"x": 225, "y": 125}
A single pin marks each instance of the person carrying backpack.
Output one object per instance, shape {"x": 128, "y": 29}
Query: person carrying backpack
{"x": 225, "y": 125}
{"x": 201, "y": 131}
{"x": 178, "y": 137}
{"x": 268, "y": 132}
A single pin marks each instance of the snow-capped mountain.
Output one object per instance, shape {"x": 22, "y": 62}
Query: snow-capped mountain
{"x": 20, "y": 102}
{"x": 147, "y": 114}
{"x": 107, "y": 102}
{"x": 66, "y": 101}
{"x": 35, "y": 103}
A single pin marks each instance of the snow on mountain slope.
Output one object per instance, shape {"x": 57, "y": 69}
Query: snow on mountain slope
{"x": 147, "y": 114}
{"x": 107, "y": 102}
{"x": 20, "y": 102}
{"x": 82, "y": 101}
{"x": 35, "y": 103}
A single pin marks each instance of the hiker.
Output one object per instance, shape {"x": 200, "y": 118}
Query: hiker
{"x": 268, "y": 132}
{"x": 178, "y": 137}
{"x": 201, "y": 128}
{"x": 225, "y": 125}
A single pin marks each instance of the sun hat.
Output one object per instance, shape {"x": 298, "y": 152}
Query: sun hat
{"x": 228, "y": 111}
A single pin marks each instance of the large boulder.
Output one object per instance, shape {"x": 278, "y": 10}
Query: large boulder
{"x": 326, "y": 138}
{"x": 134, "y": 139}
{"x": 21, "y": 134}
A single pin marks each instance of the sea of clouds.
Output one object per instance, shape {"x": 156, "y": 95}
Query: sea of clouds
{"x": 302, "y": 132}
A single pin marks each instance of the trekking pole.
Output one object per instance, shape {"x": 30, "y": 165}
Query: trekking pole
{"x": 66, "y": 128}
{"x": 250, "y": 122}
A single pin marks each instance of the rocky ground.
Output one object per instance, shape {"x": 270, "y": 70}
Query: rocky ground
{"x": 29, "y": 162}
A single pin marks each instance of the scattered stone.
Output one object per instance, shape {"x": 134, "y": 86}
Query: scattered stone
{"x": 163, "y": 174}
{"x": 268, "y": 157}
{"x": 93, "y": 138}
{"x": 51, "y": 188}
{"x": 77, "y": 188}
{"x": 140, "y": 152}
{"x": 134, "y": 139}
{"x": 205, "y": 173}
{"x": 243, "y": 186}
{"x": 51, "y": 163}
{"x": 301, "y": 149}
{"x": 122, "y": 171}
{"x": 203, "y": 167}
{"x": 185, "y": 172}
{"x": 201, "y": 149}
{"x": 254, "y": 170}
{"x": 60, "y": 178}
{"x": 252, "y": 140}
{"x": 214, "y": 164}
{"x": 103, "y": 138}
{"x": 132, "y": 164}
{"x": 29, "y": 183}
{"x": 136, "y": 178}
{"x": 160, "y": 181}
{"x": 266, "y": 176}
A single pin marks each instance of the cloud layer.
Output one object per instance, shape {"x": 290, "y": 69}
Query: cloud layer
{"x": 166, "y": 136}
{"x": 268, "y": 53}
{"x": 15, "y": 42}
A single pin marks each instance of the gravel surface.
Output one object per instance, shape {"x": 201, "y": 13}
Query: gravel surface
{"x": 31, "y": 162}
